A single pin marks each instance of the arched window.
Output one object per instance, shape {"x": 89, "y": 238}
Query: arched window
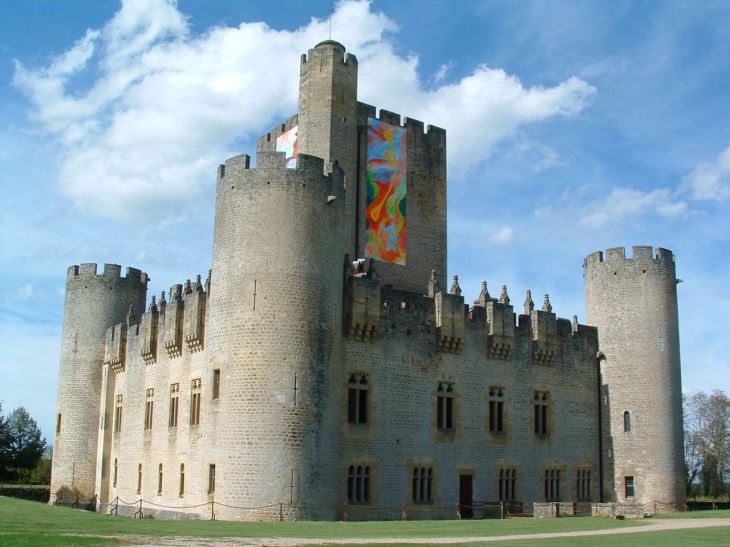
{"x": 159, "y": 480}
{"x": 358, "y": 484}
{"x": 182, "y": 480}
{"x": 116, "y": 472}
{"x": 139, "y": 479}
{"x": 422, "y": 484}
{"x": 627, "y": 421}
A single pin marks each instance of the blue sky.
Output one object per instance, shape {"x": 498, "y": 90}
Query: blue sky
{"x": 573, "y": 126}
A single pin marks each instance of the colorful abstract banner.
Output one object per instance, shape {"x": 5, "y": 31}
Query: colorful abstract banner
{"x": 287, "y": 142}
{"x": 385, "y": 207}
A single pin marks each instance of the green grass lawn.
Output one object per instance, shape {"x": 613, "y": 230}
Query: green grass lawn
{"x": 27, "y": 523}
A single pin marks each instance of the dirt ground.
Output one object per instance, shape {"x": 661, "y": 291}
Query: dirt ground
{"x": 655, "y": 526}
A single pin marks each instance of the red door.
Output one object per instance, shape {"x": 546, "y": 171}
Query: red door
{"x": 466, "y": 501}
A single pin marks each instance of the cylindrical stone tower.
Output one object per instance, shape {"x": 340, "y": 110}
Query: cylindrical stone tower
{"x": 274, "y": 334}
{"x": 93, "y": 303}
{"x": 633, "y": 302}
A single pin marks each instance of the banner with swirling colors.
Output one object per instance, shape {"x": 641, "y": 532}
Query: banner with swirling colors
{"x": 385, "y": 206}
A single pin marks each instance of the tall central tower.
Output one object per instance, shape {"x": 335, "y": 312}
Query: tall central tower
{"x": 328, "y": 118}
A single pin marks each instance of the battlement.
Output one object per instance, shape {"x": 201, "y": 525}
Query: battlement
{"x": 644, "y": 255}
{"x": 271, "y": 171}
{"x": 328, "y": 48}
{"x": 414, "y": 127}
{"x": 111, "y": 272}
{"x": 267, "y": 141}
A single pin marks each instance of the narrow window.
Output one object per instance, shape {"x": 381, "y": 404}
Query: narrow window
{"x": 445, "y": 405}
{"x": 211, "y": 478}
{"x": 627, "y": 421}
{"x": 58, "y": 424}
{"x": 174, "y": 404}
{"x": 118, "y": 415}
{"x": 149, "y": 407}
{"x": 216, "y": 384}
{"x": 629, "y": 487}
{"x": 496, "y": 410}
{"x": 357, "y": 399}
{"x": 507, "y": 480}
{"x": 541, "y": 413}
{"x": 422, "y": 484}
{"x": 195, "y": 402}
{"x": 159, "y": 480}
{"x": 139, "y": 479}
{"x": 583, "y": 482}
{"x": 552, "y": 485}
{"x": 116, "y": 473}
{"x": 358, "y": 484}
{"x": 182, "y": 480}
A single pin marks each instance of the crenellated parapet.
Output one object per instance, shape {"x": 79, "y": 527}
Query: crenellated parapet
{"x": 362, "y": 300}
{"x": 112, "y": 273}
{"x": 645, "y": 259}
{"x": 267, "y": 142}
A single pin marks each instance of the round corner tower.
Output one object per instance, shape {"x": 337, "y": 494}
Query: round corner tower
{"x": 633, "y": 302}
{"x": 93, "y": 304}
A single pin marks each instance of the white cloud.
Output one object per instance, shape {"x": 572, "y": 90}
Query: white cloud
{"x": 504, "y": 236}
{"x": 710, "y": 181}
{"x": 25, "y": 292}
{"x": 625, "y": 203}
{"x": 163, "y": 106}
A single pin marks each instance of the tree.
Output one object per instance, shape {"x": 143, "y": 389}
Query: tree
{"x": 24, "y": 443}
{"x": 3, "y": 439}
{"x": 707, "y": 441}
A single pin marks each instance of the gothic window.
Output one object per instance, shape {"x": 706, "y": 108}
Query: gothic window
{"x": 159, "y": 480}
{"x": 583, "y": 484}
{"x": 496, "y": 410}
{"x": 174, "y": 404}
{"x": 358, "y": 484}
{"x": 541, "y": 412}
{"x": 552, "y": 485}
{"x": 507, "y": 483}
{"x": 181, "y": 492}
{"x": 357, "y": 399}
{"x": 195, "y": 402}
{"x": 149, "y": 407}
{"x": 629, "y": 483}
{"x": 627, "y": 421}
{"x": 118, "y": 415}
{"x": 216, "y": 384}
{"x": 422, "y": 484}
{"x": 445, "y": 405}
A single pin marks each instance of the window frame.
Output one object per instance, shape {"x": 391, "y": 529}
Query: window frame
{"x": 541, "y": 406}
{"x": 358, "y": 484}
{"x": 174, "y": 411}
{"x": 358, "y": 398}
{"x": 196, "y": 392}
{"x": 422, "y": 485}
{"x": 497, "y": 422}
{"x": 445, "y": 419}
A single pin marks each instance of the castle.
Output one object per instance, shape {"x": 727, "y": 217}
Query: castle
{"x": 325, "y": 369}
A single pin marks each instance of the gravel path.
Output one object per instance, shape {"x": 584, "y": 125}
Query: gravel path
{"x": 655, "y": 526}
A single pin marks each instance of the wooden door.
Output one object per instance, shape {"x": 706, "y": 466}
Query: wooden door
{"x": 466, "y": 500}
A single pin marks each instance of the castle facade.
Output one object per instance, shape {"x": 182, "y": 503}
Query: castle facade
{"x": 326, "y": 368}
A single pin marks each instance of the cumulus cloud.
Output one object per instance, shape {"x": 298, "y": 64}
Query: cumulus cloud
{"x": 624, "y": 203}
{"x": 504, "y": 236}
{"x": 710, "y": 181}
{"x": 162, "y": 107}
